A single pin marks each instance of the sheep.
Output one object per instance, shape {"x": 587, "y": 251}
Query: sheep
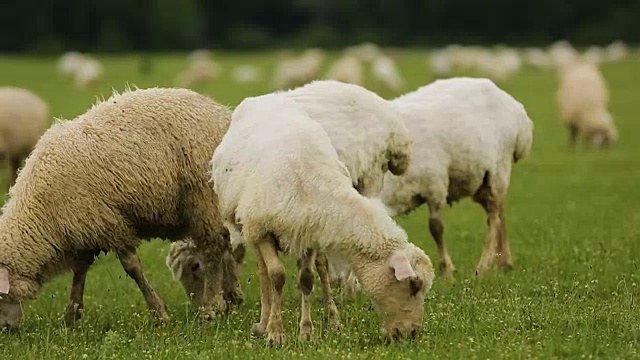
{"x": 616, "y": 51}
{"x": 386, "y": 72}
{"x": 594, "y": 54}
{"x": 88, "y": 73}
{"x": 440, "y": 63}
{"x": 69, "y": 62}
{"x": 347, "y": 69}
{"x": 288, "y": 189}
{"x": 139, "y": 167}
{"x": 466, "y": 135}
{"x": 24, "y": 117}
{"x": 292, "y": 72}
{"x": 369, "y": 137}
{"x": 537, "y": 57}
{"x": 562, "y": 54}
{"x": 366, "y": 51}
{"x": 583, "y": 100}
{"x": 246, "y": 74}
{"x": 199, "y": 71}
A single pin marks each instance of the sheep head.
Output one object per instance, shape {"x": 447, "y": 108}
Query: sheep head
{"x": 11, "y": 313}
{"x": 398, "y": 285}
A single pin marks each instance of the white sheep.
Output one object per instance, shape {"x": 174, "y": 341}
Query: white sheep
{"x": 132, "y": 167}
{"x": 369, "y": 137}
{"x": 466, "y": 135}
{"x": 287, "y": 188}
{"x": 385, "y": 71}
{"x": 24, "y": 117}
{"x": 616, "y": 51}
{"x": 594, "y": 54}
{"x": 562, "y": 54}
{"x": 583, "y": 100}
{"x": 199, "y": 71}
{"x": 440, "y": 63}
{"x": 88, "y": 73}
{"x": 246, "y": 74}
{"x": 366, "y": 51}
{"x": 69, "y": 62}
{"x": 536, "y": 57}
{"x": 296, "y": 71}
{"x": 347, "y": 69}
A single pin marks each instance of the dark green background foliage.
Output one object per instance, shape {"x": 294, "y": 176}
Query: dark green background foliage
{"x": 125, "y": 25}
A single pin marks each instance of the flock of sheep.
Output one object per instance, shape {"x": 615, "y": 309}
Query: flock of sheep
{"x": 316, "y": 171}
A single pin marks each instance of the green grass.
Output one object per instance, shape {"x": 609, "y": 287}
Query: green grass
{"x": 573, "y": 221}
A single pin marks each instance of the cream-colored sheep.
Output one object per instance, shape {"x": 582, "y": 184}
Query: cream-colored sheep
{"x": 287, "y": 188}
{"x": 300, "y": 70}
{"x": 583, "y": 99}
{"x": 246, "y": 74}
{"x": 347, "y": 69}
{"x": 562, "y": 54}
{"x": 132, "y": 167}
{"x": 88, "y": 73}
{"x": 466, "y": 135}
{"x": 616, "y": 51}
{"x": 385, "y": 72}
{"x": 200, "y": 70}
{"x": 537, "y": 57}
{"x": 24, "y": 117}
{"x": 70, "y": 62}
{"x": 440, "y": 63}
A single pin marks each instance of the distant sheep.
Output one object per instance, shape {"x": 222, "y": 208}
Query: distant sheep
{"x": 200, "y": 70}
{"x": 466, "y": 135}
{"x": 24, "y": 117}
{"x": 347, "y": 69}
{"x": 386, "y": 73}
{"x": 287, "y": 188}
{"x": 70, "y": 62}
{"x": 291, "y": 72}
{"x": 132, "y": 167}
{"x": 583, "y": 99}
{"x": 88, "y": 73}
{"x": 246, "y": 74}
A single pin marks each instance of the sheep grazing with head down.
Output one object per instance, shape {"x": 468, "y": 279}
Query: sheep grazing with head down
{"x": 466, "y": 135}
{"x": 139, "y": 164}
{"x": 288, "y": 189}
{"x": 24, "y": 117}
{"x": 583, "y": 99}
{"x": 369, "y": 137}
{"x": 295, "y": 71}
{"x": 347, "y": 69}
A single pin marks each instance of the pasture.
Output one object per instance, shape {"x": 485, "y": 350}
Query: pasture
{"x": 573, "y": 218}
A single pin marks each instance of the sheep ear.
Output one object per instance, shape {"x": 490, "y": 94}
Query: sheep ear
{"x": 401, "y": 266}
{"x": 4, "y": 280}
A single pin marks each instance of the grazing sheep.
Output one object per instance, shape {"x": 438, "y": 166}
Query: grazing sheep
{"x": 246, "y": 74}
{"x": 24, "y": 117}
{"x": 616, "y": 51}
{"x": 536, "y": 57}
{"x": 386, "y": 72}
{"x": 583, "y": 100}
{"x": 70, "y": 62}
{"x": 139, "y": 164}
{"x": 563, "y": 54}
{"x": 369, "y": 137}
{"x": 88, "y": 73}
{"x": 594, "y": 54}
{"x": 466, "y": 135}
{"x": 292, "y": 72}
{"x": 288, "y": 189}
{"x": 200, "y": 70}
{"x": 366, "y": 51}
{"x": 347, "y": 69}
{"x": 440, "y": 63}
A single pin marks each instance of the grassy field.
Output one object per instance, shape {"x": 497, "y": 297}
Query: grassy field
{"x": 573, "y": 221}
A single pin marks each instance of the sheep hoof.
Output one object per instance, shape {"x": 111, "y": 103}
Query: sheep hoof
{"x": 306, "y": 331}
{"x": 258, "y": 329}
{"x": 162, "y": 318}
{"x": 276, "y": 338}
{"x": 73, "y": 313}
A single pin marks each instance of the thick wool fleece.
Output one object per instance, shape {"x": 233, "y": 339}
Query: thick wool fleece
{"x": 24, "y": 117}
{"x": 132, "y": 167}
{"x": 463, "y": 129}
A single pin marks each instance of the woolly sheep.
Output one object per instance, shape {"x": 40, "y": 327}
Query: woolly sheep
{"x": 594, "y": 55}
{"x": 562, "y": 54}
{"x": 583, "y": 100}
{"x": 440, "y": 63}
{"x": 466, "y": 135}
{"x": 288, "y": 188}
{"x": 24, "y": 117}
{"x": 199, "y": 71}
{"x": 88, "y": 73}
{"x": 616, "y": 51}
{"x": 246, "y": 74}
{"x": 368, "y": 135}
{"x": 292, "y": 72}
{"x": 536, "y": 57}
{"x": 386, "y": 72}
{"x": 347, "y": 69}
{"x": 69, "y": 62}
{"x": 139, "y": 167}
{"x": 366, "y": 51}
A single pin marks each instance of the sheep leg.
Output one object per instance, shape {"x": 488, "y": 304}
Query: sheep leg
{"x": 133, "y": 267}
{"x": 232, "y": 289}
{"x": 75, "y": 308}
{"x": 265, "y": 296}
{"x": 305, "y": 284}
{"x": 436, "y": 227}
{"x": 330, "y": 309}
{"x": 573, "y": 135}
{"x": 488, "y": 201}
{"x": 504, "y": 250}
{"x": 277, "y": 277}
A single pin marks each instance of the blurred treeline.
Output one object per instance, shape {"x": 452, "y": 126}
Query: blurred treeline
{"x": 160, "y": 25}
